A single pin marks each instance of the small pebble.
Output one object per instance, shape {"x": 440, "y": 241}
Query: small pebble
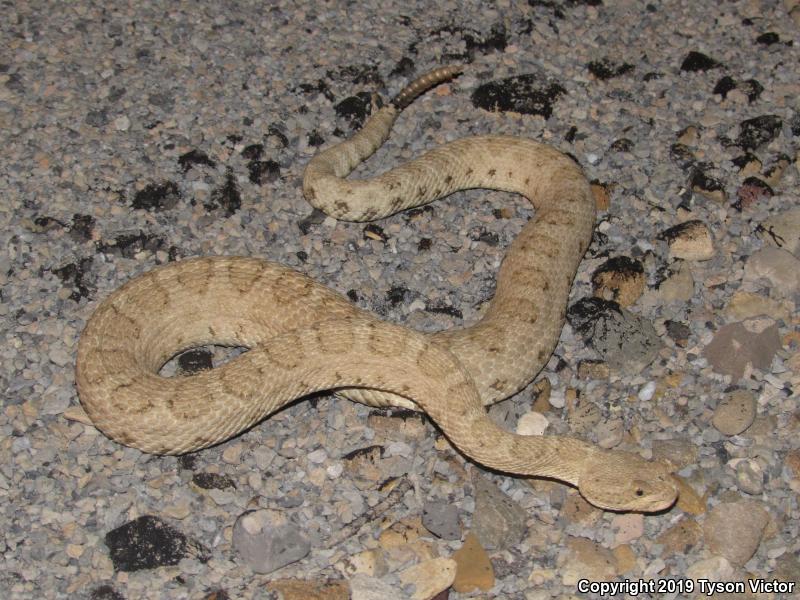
{"x": 317, "y": 457}
{"x": 629, "y": 527}
{"x": 441, "y": 519}
{"x": 610, "y": 433}
{"x": 678, "y": 286}
{"x": 681, "y": 537}
{"x": 532, "y": 423}
{"x": 734, "y": 529}
{"x": 364, "y": 587}
{"x": 429, "y": 577}
{"x": 122, "y": 123}
{"x": 266, "y": 541}
{"x": 300, "y": 589}
{"x": 778, "y": 267}
{"x": 783, "y": 231}
{"x": 750, "y": 477}
{"x": 690, "y": 241}
{"x": 474, "y": 570}
{"x": 626, "y": 341}
{"x": 587, "y": 560}
{"x": 713, "y": 568}
{"x": 498, "y": 521}
{"x": 620, "y": 279}
{"x": 734, "y": 348}
{"x": 647, "y": 391}
{"x": 148, "y": 543}
{"x": 746, "y": 305}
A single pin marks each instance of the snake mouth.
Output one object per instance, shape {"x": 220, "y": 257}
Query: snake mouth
{"x": 639, "y": 502}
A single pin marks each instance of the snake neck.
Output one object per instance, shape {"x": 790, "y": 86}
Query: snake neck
{"x": 534, "y": 456}
{"x": 608, "y": 479}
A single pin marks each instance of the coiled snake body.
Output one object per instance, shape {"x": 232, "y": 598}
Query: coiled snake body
{"x": 304, "y": 337}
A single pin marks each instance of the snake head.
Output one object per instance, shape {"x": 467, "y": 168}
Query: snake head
{"x": 621, "y": 481}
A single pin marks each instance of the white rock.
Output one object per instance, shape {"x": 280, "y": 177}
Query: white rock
{"x": 557, "y": 398}
{"x": 122, "y": 123}
{"x": 532, "y": 423}
{"x": 399, "y": 449}
{"x": 318, "y": 456}
{"x": 416, "y": 305}
{"x": 647, "y": 391}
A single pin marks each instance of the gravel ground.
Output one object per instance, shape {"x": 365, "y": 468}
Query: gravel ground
{"x": 134, "y": 134}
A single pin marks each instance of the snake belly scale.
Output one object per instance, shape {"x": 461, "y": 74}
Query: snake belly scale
{"x": 304, "y": 337}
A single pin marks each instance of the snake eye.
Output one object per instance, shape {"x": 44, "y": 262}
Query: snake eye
{"x": 639, "y": 492}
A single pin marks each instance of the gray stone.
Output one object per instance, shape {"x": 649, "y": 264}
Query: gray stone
{"x": 363, "y": 587}
{"x": 734, "y": 347}
{"x": 750, "y": 477}
{"x": 266, "y": 541}
{"x": 505, "y": 414}
{"x": 498, "y": 521}
{"x": 441, "y": 519}
{"x": 627, "y": 342}
{"x": 609, "y": 433}
{"x": 778, "y": 267}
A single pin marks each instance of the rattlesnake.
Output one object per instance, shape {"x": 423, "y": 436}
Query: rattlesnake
{"x": 304, "y": 337}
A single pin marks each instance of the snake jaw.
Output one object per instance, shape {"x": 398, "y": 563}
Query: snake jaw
{"x": 621, "y": 481}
